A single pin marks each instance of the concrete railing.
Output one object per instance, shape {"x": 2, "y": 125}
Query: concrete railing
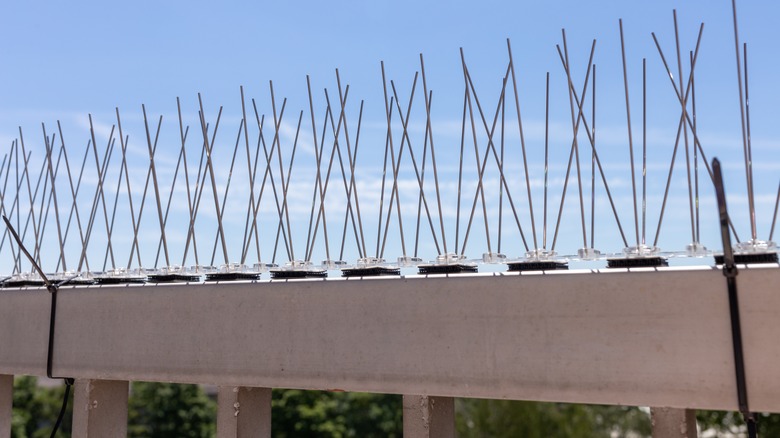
{"x": 648, "y": 337}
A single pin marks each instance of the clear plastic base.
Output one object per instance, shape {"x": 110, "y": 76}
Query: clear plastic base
{"x": 370, "y": 267}
{"x": 174, "y": 273}
{"x": 405, "y": 261}
{"x": 642, "y": 256}
{"x": 589, "y": 253}
{"x": 171, "y": 270}
{"x": 541, "y": 254}
{"x": 203, "y": 269}
{"x": 371, "y": 261}
{"x": 233, "y": 272}
{"x": 493, "y": 257}
{"x": 449, "y": 263}
{"x": 298, "y": 265}
{"x": 71, "y": 277}
{"x": 696, "y": 249}
{"x": 449, "y": 258}
{"x": 755, "y": 246}
{"x": 298, "y": 269}
{"x": 236, "y": 268}
{"x": 122, "y": 275}
{"x": 539, "y": 259}
{"x": 641, "y": 251}
{"x": 263, "y": 267}
{"x": 23, "y": 279}
{"x": 334, "y": 264}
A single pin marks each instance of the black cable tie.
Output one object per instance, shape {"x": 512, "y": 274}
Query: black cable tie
{"x": 730, "y": 272}
{"x": 53, "y": 288}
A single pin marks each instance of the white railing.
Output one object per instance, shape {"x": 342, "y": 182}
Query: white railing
{"x": 649, "y": 337}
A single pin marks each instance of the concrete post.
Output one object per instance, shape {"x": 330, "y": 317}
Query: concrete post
{"x": 100, "y": 408}
{"x": 673, "y": 423}
{"x": 243, "y": 412}
{"x": 428, "y": 416}
{"x": 6, "y": 403}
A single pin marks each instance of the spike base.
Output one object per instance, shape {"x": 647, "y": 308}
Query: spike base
{"x": 537, "y": 265}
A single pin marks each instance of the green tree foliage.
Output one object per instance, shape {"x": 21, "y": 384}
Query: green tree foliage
{"x": 169, "y": 409}
{"x": 505, "y": 418}
{"x": 154, "y": 410}
{"x": 298, "y": 413}
{"x": 35, "y": 409}
{"x": 165, "y": 409}
{"x": 730, "y": 423}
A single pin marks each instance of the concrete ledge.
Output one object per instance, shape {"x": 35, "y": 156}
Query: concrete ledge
{"x": 657, "y": 337}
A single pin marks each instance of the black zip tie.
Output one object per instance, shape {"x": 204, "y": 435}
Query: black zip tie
{"x": 730, "y": 272}
{"x": 52, "y": 288}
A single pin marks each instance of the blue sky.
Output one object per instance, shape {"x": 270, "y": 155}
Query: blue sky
{"x": 64, "y": 60}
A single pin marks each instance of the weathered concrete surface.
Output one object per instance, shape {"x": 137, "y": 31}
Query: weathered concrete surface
{"x": 100, "y": 408}
{"x": 428, "y": 417}
{"x": 674, "y": 423}
{"x": 243, "y": 412}
{"x": 650, "y": 338}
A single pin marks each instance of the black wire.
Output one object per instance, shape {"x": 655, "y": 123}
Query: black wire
{"x": 751, "y": 425}
{"x": 68, "y": 383}
{"x": 52, "y": 322}
{"x": 730, "y": 272}
{"x": 52, "y": 288}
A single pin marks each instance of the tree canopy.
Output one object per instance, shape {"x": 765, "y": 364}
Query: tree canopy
{"x": 167, "y": 409}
